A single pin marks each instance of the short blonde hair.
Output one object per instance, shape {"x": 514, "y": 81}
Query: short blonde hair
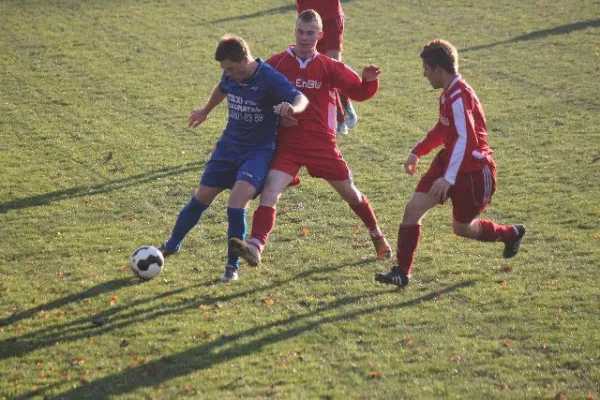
{"x": 311, "y": 15}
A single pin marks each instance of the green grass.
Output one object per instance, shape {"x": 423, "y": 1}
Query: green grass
{"x": 96, "y": 160}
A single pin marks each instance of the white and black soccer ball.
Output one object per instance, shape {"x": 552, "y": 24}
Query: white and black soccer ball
{"x": 146, "y": 262}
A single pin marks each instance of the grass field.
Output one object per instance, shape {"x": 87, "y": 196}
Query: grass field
{"x": 96, "y": 160}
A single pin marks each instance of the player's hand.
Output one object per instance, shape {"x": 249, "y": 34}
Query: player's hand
{"x": 287, "y": 121}
{"x": 283, "y": 109}
{"x": 440, "y": 188}
{"x": 410, "y": 165}
{"x": 197, "y": 118}
{"x": 370, "y": 72}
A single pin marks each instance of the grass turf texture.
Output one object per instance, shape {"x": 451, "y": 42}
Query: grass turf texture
{"x": 96, "y": 160}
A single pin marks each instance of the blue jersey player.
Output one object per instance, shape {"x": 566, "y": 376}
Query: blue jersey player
{"x": 257, "y": 96}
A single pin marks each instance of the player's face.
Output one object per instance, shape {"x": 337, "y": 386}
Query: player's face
{"x": 433, "y": 75}
{"x": 307, "y": 35}
{"x": 235, "y": 70}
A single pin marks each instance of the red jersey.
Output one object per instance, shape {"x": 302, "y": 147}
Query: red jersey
{"x": 318, "y": 77}
{"x": 461, "y": 128}
{"x": 327, "y": 9}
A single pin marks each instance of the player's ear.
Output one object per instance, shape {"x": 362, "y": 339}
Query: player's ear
{"x": 320, "y": 35}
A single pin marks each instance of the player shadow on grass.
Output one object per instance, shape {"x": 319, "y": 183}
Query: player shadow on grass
{"x": 118, "y": 317}
{"x": 228, "y": 348}
{"x": 258, "y": 14}
{"x": 541, "y": 34}
{"x": 94, "y": 291}
{"x": 81, "y": 191}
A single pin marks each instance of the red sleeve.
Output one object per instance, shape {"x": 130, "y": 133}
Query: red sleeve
{"x": 351, "y": 85}
{"x": 433, "y": 139}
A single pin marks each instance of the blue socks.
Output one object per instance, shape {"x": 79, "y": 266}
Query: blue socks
{"x": 190, "y": 215}
{"x": 188, "y": 218}
{"x": 237, "y": 229}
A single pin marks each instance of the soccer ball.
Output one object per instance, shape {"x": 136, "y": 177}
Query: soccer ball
{"x": 146, "y": 262}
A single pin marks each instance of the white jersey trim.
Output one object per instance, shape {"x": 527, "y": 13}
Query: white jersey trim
{"x": 303, "y": 63}
{"x": 458, "y": 153}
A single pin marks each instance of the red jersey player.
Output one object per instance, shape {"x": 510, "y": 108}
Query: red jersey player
{"x": 331, "y": 44}
{"x": 310, "y": 141}
{"x": 463, "y": 170}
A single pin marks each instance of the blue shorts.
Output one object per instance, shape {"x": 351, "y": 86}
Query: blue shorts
{"x": 225, "y": 168}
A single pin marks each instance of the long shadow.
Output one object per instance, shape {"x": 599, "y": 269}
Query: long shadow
{"x": 104, "y": 287}
{"x": 80, "y": 191}
{"x": 228, "y": 348}
{"x": 258, "y": 14}
{"x": 118, "y": 317}
{"x": 559, "y": 30}
{"x": 83, "y": 328}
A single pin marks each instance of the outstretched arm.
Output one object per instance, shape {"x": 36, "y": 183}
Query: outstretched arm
{"x": 352, "y": 86}
{"x": 200, "y": 115}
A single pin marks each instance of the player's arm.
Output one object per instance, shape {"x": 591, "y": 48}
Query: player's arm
{"x": 432, "y": 140}
{"x": 286, "y": 110}
{"x": 292, "y": 100}
{"x": 201, "y": 115}
{"x": 353, "y": 86}
{"x": 466, "y": 140}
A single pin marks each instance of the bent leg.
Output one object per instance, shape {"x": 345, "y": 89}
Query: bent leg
{"x": 263, "y": 220}
{"x": 190, "y": 215}
{"x": 240, "y": 196}
{"x": 359, "y": 203}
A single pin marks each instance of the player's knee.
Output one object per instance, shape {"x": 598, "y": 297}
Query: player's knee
{"x": 352, "y": 196}
{"x": 269, "y": 197}
{"x": 463, "y": 230}
{"x": 412, "y": 213}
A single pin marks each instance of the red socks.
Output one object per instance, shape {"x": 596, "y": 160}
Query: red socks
{"x": 408, "y": 240}
{"x": 365, "y": 213}
{"x": 263, "y": 222}
{"x": 491, "y": 232}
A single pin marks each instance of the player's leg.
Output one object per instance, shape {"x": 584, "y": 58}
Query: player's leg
{"x": 283, "y": 169}
{"x": 409, "y": 236}
{"x": 489, "y": 231}
{"x": 219, "y": 174}
{"x": 409, "y": 231}
{"x": 359, "y": 203}
{"x": 331, "y": 166}
{"x": 470, "y": 196}
{"x": 241, "y": 194}
{"x": 189, "y": 216}
{"x": 263, "y": 219}
{"x": 250, "y": 178}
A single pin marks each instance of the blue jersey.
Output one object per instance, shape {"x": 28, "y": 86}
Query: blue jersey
{"x": 252, "y": 125}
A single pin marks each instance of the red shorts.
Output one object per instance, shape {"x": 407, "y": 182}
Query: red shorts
{"x": 333, "y": 35}
{"x": 327, "y": 164}
{"x": 471, "y": 192}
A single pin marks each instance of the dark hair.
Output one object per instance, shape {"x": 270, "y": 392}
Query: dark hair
{"x": 232, "y": 48}
{"x": 311, "y": 15}
{"x": 440, "y": 53}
